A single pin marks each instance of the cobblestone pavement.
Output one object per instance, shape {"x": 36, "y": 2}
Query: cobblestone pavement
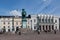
{"x": 30, "y": 36}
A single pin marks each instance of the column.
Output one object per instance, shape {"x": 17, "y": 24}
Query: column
{"x": 51, "y": 27}
{"x": 47, "y": 27}
{"x": 44, "y": 27}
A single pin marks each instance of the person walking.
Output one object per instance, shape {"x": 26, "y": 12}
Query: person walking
{"x": 38, "y": 31}
{"x": 55, "y": 30}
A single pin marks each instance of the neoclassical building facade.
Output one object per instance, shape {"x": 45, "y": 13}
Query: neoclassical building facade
{"x": 46, "y": 22}
{"x": 10, "y": 23}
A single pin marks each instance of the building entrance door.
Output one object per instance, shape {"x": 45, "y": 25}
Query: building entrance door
{"x": 40, "y": 27}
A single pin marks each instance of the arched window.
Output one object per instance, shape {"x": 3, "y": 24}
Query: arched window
{"x": 55, "y": 21}
{"x": 52, "y": 19}
{"x": 52, "y": 27}
{"x": 46, "y": 20}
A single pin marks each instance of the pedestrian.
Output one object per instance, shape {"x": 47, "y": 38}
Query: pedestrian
{"x": 20, "y": 31}
{"x": 38, "y": 31}
{"x": 17, "y": 29}
{"x": 54, "y": 31}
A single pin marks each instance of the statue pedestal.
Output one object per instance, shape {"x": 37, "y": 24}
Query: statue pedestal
{"x": 24, "y": 23}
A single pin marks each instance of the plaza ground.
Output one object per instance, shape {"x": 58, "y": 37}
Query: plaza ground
{"x": 31, "y": 36}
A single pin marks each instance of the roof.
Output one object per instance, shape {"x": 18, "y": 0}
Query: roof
{"x": 8, "y": 16}
{"x": 12, "y": 17}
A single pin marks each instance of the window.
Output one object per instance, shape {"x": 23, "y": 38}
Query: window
{"x": 4, "y": 26}
{"x": 49, "y": 20}
{"x": 34, "y": 27}
{"x": 46, "y": 20}
{"x": 52, "y": 20}
{"x": 56, "y": 27}
{"x": 4, "y": 23}
{"x": 8, "y": 26}
{"x": 55, "y": 21}
{"x": 8, "y": 30}
{"x": 42, "y": 20}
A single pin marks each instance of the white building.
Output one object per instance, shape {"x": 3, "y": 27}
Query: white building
{"x": 46, "y": 22}
{"x": 10, "y": 23}
{"x": 56, "y": 21}
{"x": 6, "y": 22}
{"x": 33, "y": 22}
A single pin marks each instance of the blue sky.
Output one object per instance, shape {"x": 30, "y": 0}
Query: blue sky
{"x": 31, "y": 6}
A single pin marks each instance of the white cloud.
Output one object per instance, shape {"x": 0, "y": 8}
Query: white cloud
{"x": 15, "y": 12}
